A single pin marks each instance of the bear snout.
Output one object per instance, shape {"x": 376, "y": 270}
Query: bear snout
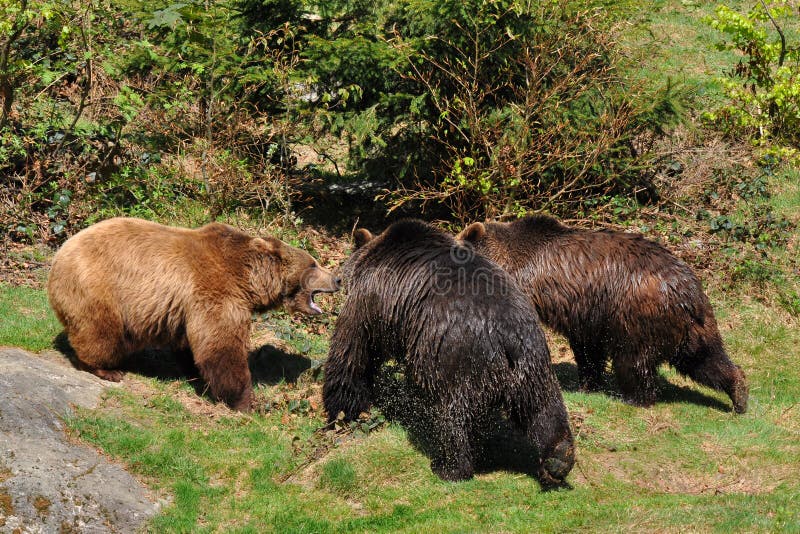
{"x": 319, "y": 280}
{"x": 315, "y": 280}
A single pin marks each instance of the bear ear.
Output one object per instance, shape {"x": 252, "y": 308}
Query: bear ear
{"x": 361, "y": 237}
{"x": 269, "y": 245}
{"x": 473, "y": 232}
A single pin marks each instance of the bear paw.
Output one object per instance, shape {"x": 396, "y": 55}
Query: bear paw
{"x": 739, "y": 397}
{"x": 452, "y": 473}
{"x": 559, "y": 464}
{"x": 112, "y": 375}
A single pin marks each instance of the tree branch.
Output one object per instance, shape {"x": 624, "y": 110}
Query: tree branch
{"x": 782, "y": 55}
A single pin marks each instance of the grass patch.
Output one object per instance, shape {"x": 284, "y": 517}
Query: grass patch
{"x": 339, "y": 475}
{"x": 670, "y": 40}
{"x": 686, "y": 464}
{"x": 27, "y": 320}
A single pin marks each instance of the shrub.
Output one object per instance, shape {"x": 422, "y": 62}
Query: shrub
{"x": 764, "y": 85}
{"x": 122, "y": 108}
{"x": 493, "y": 108}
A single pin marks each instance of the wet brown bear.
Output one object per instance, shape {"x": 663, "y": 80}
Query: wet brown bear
{"x": 466, "y": 335}
{"x": 614, "y": 295}
{"x": 124, "y": 284}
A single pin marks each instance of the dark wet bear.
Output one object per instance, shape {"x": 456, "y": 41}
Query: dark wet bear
{"x": 466, "y": 336}
{"x": 614, "y": 295}
{"x": 125, "y": 284}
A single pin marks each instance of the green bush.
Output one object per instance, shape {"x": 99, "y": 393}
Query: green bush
{"x": 490, "y": 108}
{"x": 486, "y": 108}
{"x": 764, "y": 85}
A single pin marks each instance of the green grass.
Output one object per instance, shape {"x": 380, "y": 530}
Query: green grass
{"x": 26, "y": 319}
{"x": 678, "y": 466}
{"x": 687, "y": 464}
{"x": 670, "y": 40}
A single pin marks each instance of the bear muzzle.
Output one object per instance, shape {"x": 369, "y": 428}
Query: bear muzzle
{"x": 315, "y": 280}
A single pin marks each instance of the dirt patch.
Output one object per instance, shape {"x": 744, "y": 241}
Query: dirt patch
{"x": 6, "y": 503}
{"x": 192, "y": 402}
{"x": 24, "y": 265}
{"x": 732, "y": 475}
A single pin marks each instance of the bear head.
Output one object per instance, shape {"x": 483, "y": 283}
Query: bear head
{"x": 361, "y": 238}
{"x": 293, "y": 274}
{"x": 509, "y": 242}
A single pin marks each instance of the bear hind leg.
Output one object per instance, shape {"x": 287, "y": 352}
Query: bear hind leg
{"x": 452, "y": 456}
{"x": 636, "y": 375}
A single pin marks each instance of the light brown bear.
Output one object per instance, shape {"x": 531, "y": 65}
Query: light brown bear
{"x": 125, "y": 284}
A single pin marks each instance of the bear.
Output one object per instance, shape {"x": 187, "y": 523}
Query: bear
{"x": 468, "y": 339}
{"x": 614, "y": 295}
{"x": 125, "y": 284}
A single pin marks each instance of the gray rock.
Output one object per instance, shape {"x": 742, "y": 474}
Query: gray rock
{"x": 47, "y": 483}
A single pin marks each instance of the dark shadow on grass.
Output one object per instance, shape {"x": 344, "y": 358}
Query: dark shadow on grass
{"x": 567, "y": 374}
{"x": 268, "y": 365}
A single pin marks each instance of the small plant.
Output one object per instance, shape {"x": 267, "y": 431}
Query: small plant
{"x": 764, "y": 86}
{"x": 790, "y": 301}
{"x": 757, "y": 225}
{"x": 297, "y": 337}
{"x": 366, "y": 423}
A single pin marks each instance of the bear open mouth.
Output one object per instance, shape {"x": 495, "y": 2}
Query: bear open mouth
{"x": 313, "y": 305}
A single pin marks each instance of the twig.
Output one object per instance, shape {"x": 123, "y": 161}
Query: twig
{"x": 580, "y": 468}
{"x": 784, "y": 412}
{"x": 329, "y": 158}
{"x": 782, "y": 55}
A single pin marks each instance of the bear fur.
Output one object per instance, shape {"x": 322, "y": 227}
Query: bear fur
{"x": 125, "y": 284}
{"x": 468, "y": 339}
{"x": 614, "y": 295}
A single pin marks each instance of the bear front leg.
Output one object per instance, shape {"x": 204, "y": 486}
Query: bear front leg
{"x": 547, "y": 427}
{"x": 710, "y": 365}
{"x": 227, "y": 374}
{"x": 99, "y": 345}
{"x": 220, "y": 354}
{"x": 591, "y": 361}
{"x": 348, "y": 370}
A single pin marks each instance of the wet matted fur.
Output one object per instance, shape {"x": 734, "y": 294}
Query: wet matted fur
{"x": 467, "y": 338}
{"x": 614, "y": 295}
